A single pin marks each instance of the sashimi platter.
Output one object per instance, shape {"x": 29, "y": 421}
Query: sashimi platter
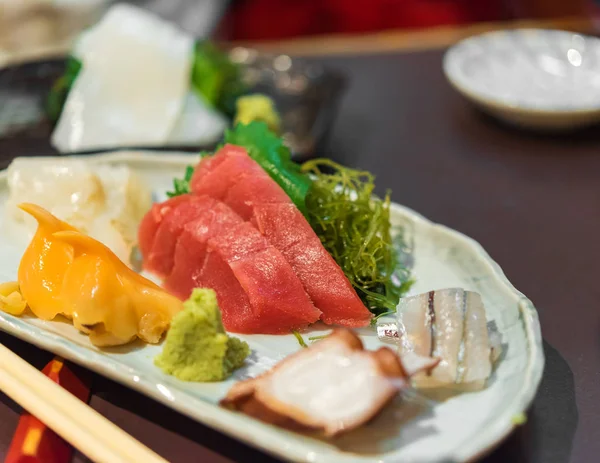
{"x": 283, "y": 304}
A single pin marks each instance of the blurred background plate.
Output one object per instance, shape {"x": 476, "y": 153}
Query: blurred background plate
{"x": 36, "y": 28}
{"x": 536, "y": 78}
{"x": 306, "y": 96}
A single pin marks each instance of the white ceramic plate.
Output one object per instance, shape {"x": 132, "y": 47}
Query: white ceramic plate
{"x": 536, "y": 77}
{"x": 459, "y": 429}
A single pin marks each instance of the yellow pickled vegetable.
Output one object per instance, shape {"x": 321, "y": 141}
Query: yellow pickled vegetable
{"x": 257, "y": 108}
{"x": 66, "y": 272}
{"x": 11, "y": 300}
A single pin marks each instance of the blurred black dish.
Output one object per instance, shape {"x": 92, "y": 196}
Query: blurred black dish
{"x": 306, "y": 96}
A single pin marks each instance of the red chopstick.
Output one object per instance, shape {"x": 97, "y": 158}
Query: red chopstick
{"x": 33, "y": 441}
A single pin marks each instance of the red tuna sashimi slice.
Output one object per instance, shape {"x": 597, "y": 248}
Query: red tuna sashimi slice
{"x": 239, "y": 315}
{"x": 236, "y": 311}
{"x": 278, "y": 299}
{"x": 257, "y": 290}
{"x": 190, "y": 252}
{"x": 153, "y": 219}
{"x": 210, "y": 162}
{"x": 285, "y": 227}
{"x": 231, "y": 160}
{"x": 252, "y": 194}
{"x": 161, "y": 256}
{"x": 236, "y": 179}
{"x": 251, "y": 190}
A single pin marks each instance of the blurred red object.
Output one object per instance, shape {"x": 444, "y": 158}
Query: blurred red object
{"x": 274, "y": 19}
{"x": 33, "y": 441}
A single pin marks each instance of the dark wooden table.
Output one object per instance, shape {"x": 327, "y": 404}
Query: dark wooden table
{"x": 532, "y": 201}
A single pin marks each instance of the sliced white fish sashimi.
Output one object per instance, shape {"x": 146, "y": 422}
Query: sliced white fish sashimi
{"x": 333, "y": 386}
{"x": 450, "y": 325}
{"x": 414, "y": 363}
{"x": 414, "y": 330}
{"x": 132, "y": 86}
{"x": 477, "y": 354}
{"x": 447, "y": 310}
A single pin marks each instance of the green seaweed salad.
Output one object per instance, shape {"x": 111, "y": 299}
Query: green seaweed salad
{"x": 214, "y": 77}
{"x": 338, "y": 202}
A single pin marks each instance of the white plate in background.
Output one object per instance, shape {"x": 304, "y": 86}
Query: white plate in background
{"x": 539, "y": 78}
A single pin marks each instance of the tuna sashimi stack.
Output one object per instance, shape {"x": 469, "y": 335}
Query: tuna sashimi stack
{"x": 239, "y": 233}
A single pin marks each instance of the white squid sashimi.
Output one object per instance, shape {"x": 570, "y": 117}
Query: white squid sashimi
{"x": 68, "y": 189}
{"x": 132, "y": 85}
{"x": 104, "y": 201}
{"x": 198, "y": 123}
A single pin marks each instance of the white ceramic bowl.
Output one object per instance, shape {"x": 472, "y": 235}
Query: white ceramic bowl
{"x": 545, "y": 79}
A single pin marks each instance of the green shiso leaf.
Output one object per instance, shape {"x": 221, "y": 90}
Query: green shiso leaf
{"x": 266, "y": 148}
{"x": 181, "y": 186}
{"x": 60, "y": 89}
{"x": 216, "y": 78}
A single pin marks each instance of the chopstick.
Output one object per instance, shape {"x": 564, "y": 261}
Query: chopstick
{"x": 69, "y": 417}
{"x": 33, "y": 441}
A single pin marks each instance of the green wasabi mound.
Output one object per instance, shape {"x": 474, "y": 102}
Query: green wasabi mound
{"x": 197, "y": 347}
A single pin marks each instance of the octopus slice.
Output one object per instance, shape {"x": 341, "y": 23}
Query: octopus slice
{"x": 333, "y": 386}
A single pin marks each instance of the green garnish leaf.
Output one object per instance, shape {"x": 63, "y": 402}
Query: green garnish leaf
{"x": 383, "y": 314}
{"x": 266, "y": 148}
{"x": 216, "y": 78}
{"x": 317, "y": 338}
{"x": 181, "y": 186}
{"x": 354, "y": 226}
{"x": 60, "y": 89}
{"x": 299, "y": 338}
